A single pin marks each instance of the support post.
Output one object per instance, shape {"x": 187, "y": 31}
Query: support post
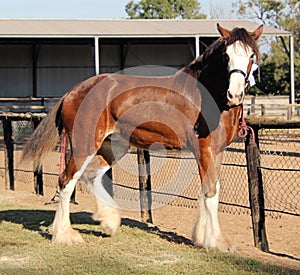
{"x": 96, "y": 55}
{"x": 9, "y": 154}
{"x": 145, "y": 185}
{"x": 256, "y": 193}
{"x": 197, "y": 46}
{"x": 292, "y": 70}
{"x": 38, "y": 172}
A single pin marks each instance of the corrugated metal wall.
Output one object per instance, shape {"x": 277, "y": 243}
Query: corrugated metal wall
{"x": 15, "y": 70}
{"x": 60, "y": 67}
{"x": 50, "y": 67}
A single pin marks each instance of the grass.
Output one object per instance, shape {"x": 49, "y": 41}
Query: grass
{"x": 25, "y": 248}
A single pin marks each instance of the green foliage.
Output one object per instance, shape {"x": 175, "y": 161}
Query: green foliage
{"x": 275, "y": 67}
{"x": 164, "y": 9}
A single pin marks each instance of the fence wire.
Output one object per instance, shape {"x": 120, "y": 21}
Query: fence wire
{"x": 280, "y": 166}
{"x": 175, "y": 177}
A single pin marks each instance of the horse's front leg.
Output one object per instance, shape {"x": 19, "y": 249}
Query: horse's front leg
{"x": 207, "y": 232}
{"x": 61, "y": 229}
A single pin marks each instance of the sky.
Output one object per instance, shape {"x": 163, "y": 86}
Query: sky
{"x": 91, "y": 9}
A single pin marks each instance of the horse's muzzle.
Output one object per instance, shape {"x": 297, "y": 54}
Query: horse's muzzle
{"x": 234, "y": 100}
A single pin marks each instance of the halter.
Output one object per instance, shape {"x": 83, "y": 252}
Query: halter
{"x": 238, "y": 71}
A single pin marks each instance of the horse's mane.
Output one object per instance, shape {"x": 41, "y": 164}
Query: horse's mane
{"x": 240, "y": 34}
{"x": 218, "y": 46}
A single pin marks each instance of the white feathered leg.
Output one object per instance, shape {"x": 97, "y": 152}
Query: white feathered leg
{"x": 61, "y": 229}
{"x": 106, "y": 209}
{"x": 206, "y": 231}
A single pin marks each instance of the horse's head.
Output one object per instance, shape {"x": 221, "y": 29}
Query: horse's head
{"x": 240, "y": 50}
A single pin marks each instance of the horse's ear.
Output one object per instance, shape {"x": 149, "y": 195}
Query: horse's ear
{"x": 224, "y": 32}
{"x": 257, "y": 33}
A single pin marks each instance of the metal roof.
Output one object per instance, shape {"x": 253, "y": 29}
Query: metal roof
{"x": 124, "y": 27}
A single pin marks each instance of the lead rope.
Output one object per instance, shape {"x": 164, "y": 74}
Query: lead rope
{"x": 244, "y": 128}
{"x": 63, "y": 149}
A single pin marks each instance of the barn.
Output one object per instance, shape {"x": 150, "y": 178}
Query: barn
{"x": 41, "y": 59}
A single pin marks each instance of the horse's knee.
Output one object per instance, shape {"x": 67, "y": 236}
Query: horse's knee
{"x": 209, "y": 190}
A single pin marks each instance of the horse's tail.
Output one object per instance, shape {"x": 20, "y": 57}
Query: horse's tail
{"x": 45, "y": 136}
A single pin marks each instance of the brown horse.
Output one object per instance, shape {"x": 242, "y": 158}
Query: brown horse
{"x": 197, "y": 108}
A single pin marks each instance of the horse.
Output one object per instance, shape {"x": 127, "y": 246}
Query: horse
{"x": 197, "y": 108}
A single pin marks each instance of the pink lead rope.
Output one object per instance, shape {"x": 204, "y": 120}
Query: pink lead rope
{"x": 244, "y": 128}
{"x": 63, "y": 149}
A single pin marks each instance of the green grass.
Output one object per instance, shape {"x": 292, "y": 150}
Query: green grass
{"x": 25, "y": 248}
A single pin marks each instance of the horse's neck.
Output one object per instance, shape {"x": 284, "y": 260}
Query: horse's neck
{"x": 211, "y": 72}
{"x": 195, "y": 68}
{"x": 214, "y": 78}
{"x": 231, "y": 120}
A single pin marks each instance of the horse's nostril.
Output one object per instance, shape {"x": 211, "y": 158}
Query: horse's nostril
{"x": 229, "y": 95}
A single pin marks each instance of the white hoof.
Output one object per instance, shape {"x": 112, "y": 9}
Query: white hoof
{"x": 219, "y": 243}
{"x": 110, "y": 221}
{"x": 68, "y": 236}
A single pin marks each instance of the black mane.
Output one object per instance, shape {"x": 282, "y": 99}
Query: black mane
{"x": 218, "y": 47}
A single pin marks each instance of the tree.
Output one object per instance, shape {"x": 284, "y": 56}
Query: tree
{"x": 282, "y": 14}
{"x": 164, "y": 9}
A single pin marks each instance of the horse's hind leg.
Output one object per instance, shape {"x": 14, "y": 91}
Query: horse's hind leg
{"x": 61, "y": 229}
{"x": 112, "y": 150}
{"x": 106, "y": 209}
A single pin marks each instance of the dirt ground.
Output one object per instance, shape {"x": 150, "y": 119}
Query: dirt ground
{"x": 283, "y": 234}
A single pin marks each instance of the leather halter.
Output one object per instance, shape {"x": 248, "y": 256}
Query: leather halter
{"x": 240, "y": 72}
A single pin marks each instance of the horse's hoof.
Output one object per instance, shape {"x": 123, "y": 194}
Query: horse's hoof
{"x": 69, "y": 237}
{"x": 110, "y": 221}
{"x": 221, "y": 244}
{"x": 110, "y": 226}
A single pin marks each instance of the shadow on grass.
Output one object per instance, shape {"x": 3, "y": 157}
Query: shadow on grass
{"x": 36, "y": 220}
{"x": 169, "y": 236}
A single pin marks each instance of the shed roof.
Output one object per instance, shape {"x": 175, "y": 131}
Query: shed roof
{"x": 124, "y": 27}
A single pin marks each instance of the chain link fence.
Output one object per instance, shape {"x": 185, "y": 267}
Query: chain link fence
{"x": 175, "y": 177}
{"x": 280, "y": 166}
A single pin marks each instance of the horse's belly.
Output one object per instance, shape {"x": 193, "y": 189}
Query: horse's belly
{"x": 154, "y": 135}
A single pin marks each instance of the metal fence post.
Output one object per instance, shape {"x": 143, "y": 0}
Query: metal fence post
{"x": 256, "y": 193}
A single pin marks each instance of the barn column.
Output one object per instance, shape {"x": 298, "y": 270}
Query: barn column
{"x": 96, "y": 55}
{"x": 197, "y": 46}
{"x": 292, "y": 69}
